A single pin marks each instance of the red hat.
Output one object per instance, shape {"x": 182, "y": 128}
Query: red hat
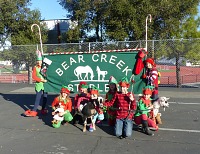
{"x": 94, "y": 90}
{"x": 151, "y": 61}
{"x": 82, "y": 84}
{"x": 64, "y": 90}
{"x": 147, "y": 91}
{"x": 124, "y": 82}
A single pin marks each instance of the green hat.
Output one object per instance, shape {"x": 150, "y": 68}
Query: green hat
{"x": 124, "y": 82}
{"x": 149, "y": 87}
{"x": 112, "y": 80}
{"x": 94, "y": 90}
{"x": 148, "y": 90}
{"x": 82, "y": 84}
{"x": 38, "y": 55}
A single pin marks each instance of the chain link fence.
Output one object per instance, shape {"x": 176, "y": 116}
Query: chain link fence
{"x": 178, "y": 61}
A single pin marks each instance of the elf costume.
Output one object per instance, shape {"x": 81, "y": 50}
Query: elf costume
{"x": 111, "y": 111}
{"x": 125, "y": 104}
{"x": 94, "y": 93}
{"x": 142, "y": 112}
{"x": 151, "y": 76}
{"x": 66, "y": 102}
{"x": 139, "y": 66}
{"x": 39, "y": 88}
{"x": 79, "y": 100}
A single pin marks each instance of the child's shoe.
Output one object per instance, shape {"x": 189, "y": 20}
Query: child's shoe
{"x": 99, "y": 123}
{"x": 30, "y": 113}
{"x": 91, "y": 128}
{"x": 27, "y": 112}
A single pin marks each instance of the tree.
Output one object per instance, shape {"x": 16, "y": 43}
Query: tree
{"x": 16, "y": 20}
{"x": 184, "y": 45}
{"x": 125, "y": 19}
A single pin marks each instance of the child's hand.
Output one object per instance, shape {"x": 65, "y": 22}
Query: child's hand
{"x": 150, "y": 107}
{"x": 43, "y": 80}
{"x": 131, "y": 97}
{"x": 53, "y": 113}
{"x": 101, "y": 105}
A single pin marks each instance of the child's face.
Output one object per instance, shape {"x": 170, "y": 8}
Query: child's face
{"x": 64, "y": 95}
{"x": 39, "y": 63}
{"x": 83, "y": 90}
{"x": 124, "y": 90}
{"x": 112, "y": 86}
{"x": 147, "y": 96}
{"x": 148, "y": 65}
{"x": 93, "y": 96}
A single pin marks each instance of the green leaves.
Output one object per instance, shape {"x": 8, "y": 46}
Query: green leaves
{"x": 125, "y": 19}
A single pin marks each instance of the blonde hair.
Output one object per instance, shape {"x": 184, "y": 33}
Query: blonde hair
{"x": 67, "y": 99}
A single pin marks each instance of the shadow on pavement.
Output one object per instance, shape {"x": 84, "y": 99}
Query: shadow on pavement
{"x": 26, "y": 101}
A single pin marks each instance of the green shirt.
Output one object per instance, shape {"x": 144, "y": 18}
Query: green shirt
{"x": 39, "y": 85}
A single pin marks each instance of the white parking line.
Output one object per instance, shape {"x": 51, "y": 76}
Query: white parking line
{"x": 180, "y": 130}
{"x": 184, "y": 103}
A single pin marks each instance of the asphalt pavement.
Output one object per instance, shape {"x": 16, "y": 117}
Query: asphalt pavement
{"x": 179, "y": 133}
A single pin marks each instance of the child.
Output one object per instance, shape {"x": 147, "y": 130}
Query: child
{"x": 125, "y": 102}
{"x": 39, "y": 88}
{"x": 94, "y": 95}
{"x": 56, "y": 114}
{"x": 111, "y": 111}
{"x": 80, "y": 100}
{"x": 65, "y": 100}
{"x": 151, "y": 76}
{"x": 143, "y": 108}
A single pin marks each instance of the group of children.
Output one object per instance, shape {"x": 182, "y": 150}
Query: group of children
{"x": 89, "y": 108}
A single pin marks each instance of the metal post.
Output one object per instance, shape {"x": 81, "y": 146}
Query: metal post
{"x": 149, "y": 16}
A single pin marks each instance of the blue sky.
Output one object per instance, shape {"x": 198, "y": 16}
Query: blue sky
{"x": 49, "y": 9}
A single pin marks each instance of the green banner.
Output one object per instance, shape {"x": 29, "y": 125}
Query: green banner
{"x": 93, "y": 68}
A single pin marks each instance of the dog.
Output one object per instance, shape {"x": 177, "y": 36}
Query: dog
{"x": 160, "y": 102}
{"x": 92, "y": 111}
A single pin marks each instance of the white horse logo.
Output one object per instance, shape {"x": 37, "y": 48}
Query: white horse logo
{"x": 101, "y": 73}
{"x": 84, "y": 70}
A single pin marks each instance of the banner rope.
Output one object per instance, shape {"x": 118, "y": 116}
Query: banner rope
{"x": 92, "y": 52}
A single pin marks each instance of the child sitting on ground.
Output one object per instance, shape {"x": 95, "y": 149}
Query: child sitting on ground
{"x": 98, "y": 104}
{"x": 144, "y": 106}
{"x": 65, "y": 100}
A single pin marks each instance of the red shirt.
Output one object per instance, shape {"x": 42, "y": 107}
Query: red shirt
{"x": 67, "y": 104}
{"x": 80, "y": 98}
{"x": 122, "y": 105}
{"x": 34, "y": 74}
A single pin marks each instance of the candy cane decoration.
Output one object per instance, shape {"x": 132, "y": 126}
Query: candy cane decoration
{"x": 150, "y": 18}
{"x": 132, "y": 81}
{"x": 39, "y": 35}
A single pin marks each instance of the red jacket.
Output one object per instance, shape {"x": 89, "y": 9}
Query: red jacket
{"x": 122, "y": 104}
